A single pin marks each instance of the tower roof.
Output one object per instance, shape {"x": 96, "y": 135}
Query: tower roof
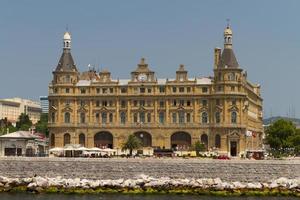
{"x": 66, "y": 62}
{"x": 228, "y": 59}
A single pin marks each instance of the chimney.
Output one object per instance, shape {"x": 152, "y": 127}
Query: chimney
{"x": 217, "y": 57}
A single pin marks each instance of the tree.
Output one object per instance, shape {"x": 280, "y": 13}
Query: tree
{"x": 23, "y": 123}
{"x": 42, "y": 125}
{"x": 199, "y": 147}
{"x": 5, "y": 126}
{"x": 279, "y": 134}
{"x": 132, "y": 143}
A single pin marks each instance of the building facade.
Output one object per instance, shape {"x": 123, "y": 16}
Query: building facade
{"x": 44, "y": 104}
{"x": 14, "y": 107}
{"x": 92, "y": 109}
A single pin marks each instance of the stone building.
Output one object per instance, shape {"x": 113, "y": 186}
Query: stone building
{"x": 93, "y": 109}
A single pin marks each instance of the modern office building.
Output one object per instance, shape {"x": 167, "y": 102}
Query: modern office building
{"x": 92, "y": 109}
{"x": 44, "y": 104}
{"x": 12, "y": 109}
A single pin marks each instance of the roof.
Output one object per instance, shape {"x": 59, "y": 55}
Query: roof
{"x": 20, "y": 135}
{"x": 228, "y": 59}
{"x": 66, "y": 62}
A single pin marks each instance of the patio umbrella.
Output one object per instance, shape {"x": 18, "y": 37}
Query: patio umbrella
{"x": 82, "y": 149}
{"x": 56, "y": 149}
{"x": 95, "y": 149}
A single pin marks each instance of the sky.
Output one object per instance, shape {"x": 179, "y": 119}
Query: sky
{"x": 114, "y": 35}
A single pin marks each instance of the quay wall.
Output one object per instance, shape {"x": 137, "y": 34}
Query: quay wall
{"x": 117, "y": 168}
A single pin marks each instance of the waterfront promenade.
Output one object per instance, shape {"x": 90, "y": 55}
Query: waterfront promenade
{"x": 116, "y": 168}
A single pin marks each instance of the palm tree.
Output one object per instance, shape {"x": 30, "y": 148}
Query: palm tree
{"x": 132, "y": 143}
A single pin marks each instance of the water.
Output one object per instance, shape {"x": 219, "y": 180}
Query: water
{"x": 24, "y": 196}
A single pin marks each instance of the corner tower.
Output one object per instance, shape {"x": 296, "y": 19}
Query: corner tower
{"x": 66, "y": 71}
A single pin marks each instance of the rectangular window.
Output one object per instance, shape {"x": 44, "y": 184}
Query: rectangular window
{"x": 161, "y": 117}
{"x": 174, "y": 117}
{"x": 149, "y": 90}
{"x": 188, "y": 103}
{"x": 181, "y": 102}
{"x": 67, "y": 90}
{"x": 97, "y": 90}
{"x": 104, "y": 90}
{"x": 204, "y": 102}
{"x": 123, "y": 90}
{"x": 188, "y": 117}
{"x": 204, "y": 90}
{"x": 82, "y": 103}
{"x": 149, "y": 103}
{"x": 123, "y": 104}
{"x": 181, "y": 89}
{"x": 67, "y": 103}
{"x": 218, "y": 102}
{"x": 161, "y": 89}
{"x": 142, "y": 90}
{"x": 111, "y": 90}
{"x": 174, "y": 89}
{"x": 135, "y": 103}
{"x": 104, "y": 103}
{"x": 82, "y": 90}
{"x": 97, "y": 103}
{"x": 142, "y": 103}
{"x": 161, "y": 104}
{"x": 232, "y": 88}
{"x": 174, "y": 102}
{"x": 188, "y": 89}
{"x": 233, "y": 102}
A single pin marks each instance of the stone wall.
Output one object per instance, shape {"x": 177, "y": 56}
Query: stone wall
{"x": 91, "y": 168}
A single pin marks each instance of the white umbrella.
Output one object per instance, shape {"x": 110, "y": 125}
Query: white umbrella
{"x": 56, "y": 149}
{"x": 69, "y": 148}
{"x": 95, "y": 149}
{"x": 82, "y": 149}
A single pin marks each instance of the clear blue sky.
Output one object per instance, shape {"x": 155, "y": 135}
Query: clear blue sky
{"x": 116, "y": 34}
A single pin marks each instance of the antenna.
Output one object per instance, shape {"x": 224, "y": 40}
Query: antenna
{"x": 228, "y": 22}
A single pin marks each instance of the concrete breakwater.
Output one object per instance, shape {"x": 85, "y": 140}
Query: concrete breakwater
{"x": 122, "y": 168}
{"x": 146, "y": 184}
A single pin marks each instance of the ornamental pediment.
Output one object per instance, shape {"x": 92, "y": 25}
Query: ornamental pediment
{"x": 82, "y": 109}
{"x": 234, "y": 108}
{"x": 67, "y": 109}
{"x": 53, "y": 108}
{"x": 203, "y": 109}
{"x": 219, "y": 108}
{"x": 234, "y": 135}
{"x": 142, "y": 108}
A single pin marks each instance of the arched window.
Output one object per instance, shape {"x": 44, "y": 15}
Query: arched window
{"x": 181, "y": 117}
{"x": 53, "y": 117}
{"x": 218, "y": 141}
{"x": 82, "y": 117}
{"x": 204, "y": 118}
{"x": 97, "y": 117}
{"x": 161, "y": 117}
{"x": 218, "y": 117}
{"x": 123, "y": 117}
{"x": 188, "y": 117}
{"x": 67, "y": 139}
{"x": 142, "y": 117}
{"x": 111, "y": 117}
{"x": 233, "y": 117}
{"x": 104, "y": 117}
{"x": 82, "y": 139}
{"x": 67, "y": 117}
{"x": 149, "y": 117}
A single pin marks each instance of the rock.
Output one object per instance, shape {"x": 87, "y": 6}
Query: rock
{"x": 238, "y": 185}
{"x": 41, "y": 182}
{"x": 32, "y": 186}
{"x": 253, "y": 185}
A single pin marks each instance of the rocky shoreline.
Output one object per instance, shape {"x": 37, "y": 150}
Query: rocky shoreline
{"x": 149, "y": 185}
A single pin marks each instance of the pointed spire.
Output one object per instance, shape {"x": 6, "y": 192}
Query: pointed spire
{"x": 67, "y": 40}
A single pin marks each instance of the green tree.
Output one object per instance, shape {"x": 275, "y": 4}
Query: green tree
{"x": 23, "y": 122}
{"x": 5, "y": 126}
{"x": 132, "y": 143}
{"x": 42, "y": 125}
{"x": 199, "y": 147}
{"x": 278, "y": 135}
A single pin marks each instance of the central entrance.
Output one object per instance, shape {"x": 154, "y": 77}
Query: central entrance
{"x": 103, "y": 139}
{"x": 145, "y": 138}
{"x": 233, "y": 148}
{"x": 181, "y": 141}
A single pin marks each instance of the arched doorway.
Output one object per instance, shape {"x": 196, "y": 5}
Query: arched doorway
{"x": 145, "y": 137}
{"x": 103, "y": 139}
{"x": 181, "y": 141}
{"x": 82, "y": 139}
{"x": 67, "y": 139}
{"x": 204, "y": 140}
